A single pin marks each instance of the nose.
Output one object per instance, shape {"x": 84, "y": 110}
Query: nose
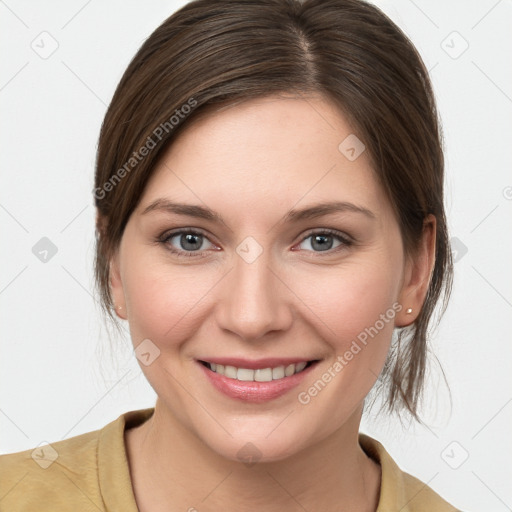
{"x": 254, "y": 301}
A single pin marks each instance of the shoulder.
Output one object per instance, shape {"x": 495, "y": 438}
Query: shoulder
{"x": 55, "y": 476}
{"x": 422, "y": 498}
{"x": 88, "y": 472}
{"x": 400, "y": 490}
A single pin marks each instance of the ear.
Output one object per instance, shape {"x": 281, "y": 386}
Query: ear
{"x": 115, "y": 282}
{"x": 418, "y": 270}
{"x": 116, "y": 287}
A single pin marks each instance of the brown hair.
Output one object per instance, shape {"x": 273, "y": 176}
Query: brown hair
{"x": 212, "y": 53}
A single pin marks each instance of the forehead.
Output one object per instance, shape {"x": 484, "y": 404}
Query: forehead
{"x": 266, "y": 153}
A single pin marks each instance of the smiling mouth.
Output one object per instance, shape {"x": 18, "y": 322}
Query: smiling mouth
{"x": 258, "y": 375}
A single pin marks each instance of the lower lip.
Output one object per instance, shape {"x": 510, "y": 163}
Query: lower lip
{"x": 255, "y": 392}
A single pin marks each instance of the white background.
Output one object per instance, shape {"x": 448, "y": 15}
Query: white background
{"x": 58, "y": 375}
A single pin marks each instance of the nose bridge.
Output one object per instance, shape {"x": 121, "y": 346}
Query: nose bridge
{"x": 252, "y": 304}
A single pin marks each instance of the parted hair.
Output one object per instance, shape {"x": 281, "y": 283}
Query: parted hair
{"x": 212, "y": 53}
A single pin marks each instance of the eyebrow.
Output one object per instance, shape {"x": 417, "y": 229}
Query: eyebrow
{"x": 294, "y": 215}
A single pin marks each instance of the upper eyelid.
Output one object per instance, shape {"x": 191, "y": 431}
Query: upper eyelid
{"x": 180, "y": 231}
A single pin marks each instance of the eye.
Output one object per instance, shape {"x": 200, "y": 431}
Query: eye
{"x": 186, "y": 243}
{"x": 325, "y": 240}
{"x": 193, "y": 243}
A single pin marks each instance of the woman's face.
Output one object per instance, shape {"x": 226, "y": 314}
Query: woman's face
{"x": 280, "y": 280}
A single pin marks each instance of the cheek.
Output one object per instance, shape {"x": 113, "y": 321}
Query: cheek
{"x": 167, "y": 303}
{"x": 163, "y": 301}
{"x": 353, "y": 310}
{"x": 349, "y": 299}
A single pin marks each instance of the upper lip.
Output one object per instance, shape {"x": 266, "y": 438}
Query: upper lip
{"x": 255, "y": 364}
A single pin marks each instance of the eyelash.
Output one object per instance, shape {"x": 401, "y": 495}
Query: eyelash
{"x": 164, "y": 239}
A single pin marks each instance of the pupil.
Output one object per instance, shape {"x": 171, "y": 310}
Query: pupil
{"x": 189, "y": 242}
{"x": 323, "y": 246}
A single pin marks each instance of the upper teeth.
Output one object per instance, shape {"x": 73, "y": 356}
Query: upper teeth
{"x": 259, "y": 375}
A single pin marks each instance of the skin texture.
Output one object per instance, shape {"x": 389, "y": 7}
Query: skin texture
{"x": 252, "y": 163}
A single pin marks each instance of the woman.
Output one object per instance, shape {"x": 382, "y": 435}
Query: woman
{"x": 270, "y": 223}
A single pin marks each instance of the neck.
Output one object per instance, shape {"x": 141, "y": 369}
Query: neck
{"x": 172, "y": 469}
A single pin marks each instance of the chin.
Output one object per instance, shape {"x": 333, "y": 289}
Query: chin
{"x": 257, "y": 450}
{"x": 260, "y": 440}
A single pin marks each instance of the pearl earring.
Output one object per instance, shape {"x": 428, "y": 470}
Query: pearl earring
{"x": 409, "y": 311}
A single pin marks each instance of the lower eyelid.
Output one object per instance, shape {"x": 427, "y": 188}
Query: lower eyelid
{"x": 343, "y": 244}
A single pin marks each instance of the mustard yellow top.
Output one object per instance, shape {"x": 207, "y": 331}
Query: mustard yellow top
{"x": 90, "y": 472}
